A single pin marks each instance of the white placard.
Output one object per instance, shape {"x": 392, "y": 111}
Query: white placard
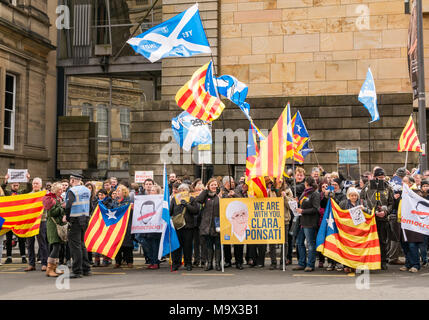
{"x": 357, "y": 215}
{"x": 147, "y": 215}
{"x": 17, "y": 175}
{"x": 293, "y": 205}
{"x": 141, "y": 176}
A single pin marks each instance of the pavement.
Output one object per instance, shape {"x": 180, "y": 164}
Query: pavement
{"x": 248, "y": 284}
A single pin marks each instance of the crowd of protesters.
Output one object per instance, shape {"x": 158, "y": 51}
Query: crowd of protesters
{"x": 199, "y": 239}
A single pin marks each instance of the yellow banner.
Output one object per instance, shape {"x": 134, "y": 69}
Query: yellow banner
{"x": 252, "y": 221}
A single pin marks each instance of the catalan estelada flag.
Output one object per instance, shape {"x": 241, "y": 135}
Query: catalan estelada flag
{"x": 106, "y": 230}
{"x": 300, "y": 136}
{"x": 22, "y": 214}
{"x": 409, "y": 141}
{"x": 275, "y": 149}
{"x": 352, "y": 245}
{"x": 256, "y": 186}
{"x": 194, "y": 99}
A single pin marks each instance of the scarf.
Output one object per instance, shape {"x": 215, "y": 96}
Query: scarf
{"x": 307, "y": 192}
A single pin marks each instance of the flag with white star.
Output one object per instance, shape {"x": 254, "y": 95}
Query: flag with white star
{"x": 349, "y": 244}
{"x": 106, "y": 229}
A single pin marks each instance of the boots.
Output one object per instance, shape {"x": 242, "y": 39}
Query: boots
{"x": 56, "y": 265}
{"x": 209, "y": 262}
{"x": 217, "y": 258}
{"x": 50, "y": 271}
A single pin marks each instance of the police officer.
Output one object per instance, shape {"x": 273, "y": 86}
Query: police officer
{"x": 77, "y": 214}
{"x": 379, "y": 196}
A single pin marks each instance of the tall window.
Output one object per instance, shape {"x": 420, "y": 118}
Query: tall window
{"x": 125, "y": 123}
{"x": 9, "y": 112}
{"x": 102, "y": 121}
{"x": 87, "y": 111}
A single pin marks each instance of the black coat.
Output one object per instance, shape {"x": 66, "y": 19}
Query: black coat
{"x": 310, "y": 213}
{"x": 191, "y": 211}
{"x": 209, "y": 212}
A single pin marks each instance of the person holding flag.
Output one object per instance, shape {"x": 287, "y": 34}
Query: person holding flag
{"x": 169, "y": 241}
{"x": 125, "y": 252}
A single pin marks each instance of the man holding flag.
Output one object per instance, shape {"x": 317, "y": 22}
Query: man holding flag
{"x": 169, "y": 240}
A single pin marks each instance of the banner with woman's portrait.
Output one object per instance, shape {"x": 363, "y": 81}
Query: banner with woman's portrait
{"x": 252, "y": 221}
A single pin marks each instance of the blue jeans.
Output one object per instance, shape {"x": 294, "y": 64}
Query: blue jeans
{"x": 150, "y": 245}
{"x": 411, "y": 251}
{"x": 423, "y": 249}
{"x": 310, "y": 235}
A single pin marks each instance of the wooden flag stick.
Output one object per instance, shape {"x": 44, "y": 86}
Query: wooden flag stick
{"x": 406, "y": 160}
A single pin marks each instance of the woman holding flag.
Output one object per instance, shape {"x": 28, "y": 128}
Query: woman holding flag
{"x": 353, "y": 201}
{"x": 125, "y": 253}
{"x": 55, "y": 213}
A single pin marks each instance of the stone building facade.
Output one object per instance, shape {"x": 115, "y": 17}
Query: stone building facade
{"x": 90, "y": 96}
{"x": 28, "y": 87}
{"x": 313, "y": 53}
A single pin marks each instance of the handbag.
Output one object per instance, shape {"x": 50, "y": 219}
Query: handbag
{"x": 61, "y": 230}
{"x": 179, "y": 220}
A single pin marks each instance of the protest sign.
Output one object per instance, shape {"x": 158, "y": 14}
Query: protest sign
{"x": 293, "y": 205}
{"x": 252, "y": 220}
{"x": 141, "y": 176}
{"x": 17, "y": 175}
{"x": 414, "y": 211}
{"x": 147, "y": 216}
{"x": 182, "y": 196}
{"x": 357, "y": 215}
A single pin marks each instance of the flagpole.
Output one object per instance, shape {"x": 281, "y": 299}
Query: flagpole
{"x": 315, "y": 154}
{"x": 223, "y": 121}
{"x": 421, "y": 86}
{"x": 406, "y": 160}
{"x": 369, "y": 146}
{"x": 135, "y": 30}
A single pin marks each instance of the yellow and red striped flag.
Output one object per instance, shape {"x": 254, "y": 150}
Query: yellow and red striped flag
{"x": 409, "y": 141}
{"x": 106, "y": 230}
{"x": 22, "y": 214}
{"x": 275, "y": 149}
{"x": 256, "y": 186}
{"x": 194, "y": 99}
{"x": 349, "y": 244}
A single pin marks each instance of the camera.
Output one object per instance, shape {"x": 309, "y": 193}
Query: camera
{"x": 379, "y": 185}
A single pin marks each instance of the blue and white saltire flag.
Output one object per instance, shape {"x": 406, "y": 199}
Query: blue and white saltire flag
{"x": 190, "y": 131}
{"x": 181, "y": 36}
{"x": 169, "y": 241}
{"x": 368, "y": 96}
{"x": 229, "y": 87}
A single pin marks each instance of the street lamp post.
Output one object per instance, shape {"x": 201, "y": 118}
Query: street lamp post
{"x": 421, "y": 87}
